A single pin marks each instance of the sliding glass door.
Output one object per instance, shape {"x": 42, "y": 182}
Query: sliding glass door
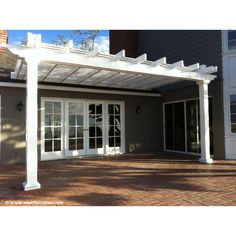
{"x": 182, "y": 126}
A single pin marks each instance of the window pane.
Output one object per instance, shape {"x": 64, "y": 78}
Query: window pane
{"x": 111, "y": 109}
{"x": 80, "y": 144}
{"x": 233, "y": 128}
{"x": 111, "y": 131}
{"x": 48, "y": 107}
{"x": 233, "y": 108}
{"x": 48, "y": 133}
{"x": 169, "y": 134}
{"x": 179, "y": 129}
{"x": 72, "y": 144}
{"x": 79, "y": 109}
{"x": 57, "y": 107}
{"x": 92, "y": 143}
{"x": 233, "y": 118}
{"x": 92, "y": 120}
{"x": 117, "y": 109}
{"x": 99, "y": 143}
{"x": 99, "y": 109}
{"x": 111, "y": 141}
{"x": 232, "y": 34}
{"x": 48, "y": 120}
{"x": 57, "y": 145}
{"x": 57, "y": 133}
{"x": 92, "y": 131}
{"x": 72, "y": 108}
{"x": 72, "y": 132}
{"x": 233, "y": 99}
{"x": 99, "y": 119}
{"x": 80, "y": 131}
{"x": 99, "y": 131}
{"x": 92, "y": 109}
{"x": 192, "y": 124}
{"x": 80, "y": 120}
{"x": 72, "y": 120}
{"x": 117, "y": 130}
{"x": 48, "y": 145}
{"x": 117, "y": 144}
{"x": 57, "y": 120}
{"x": 117, "y": 120}
{"x": 111, "y": 120}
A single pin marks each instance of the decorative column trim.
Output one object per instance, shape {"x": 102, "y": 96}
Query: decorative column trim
{"x": 204, "y": 121}
{"x": 32, "y": 125}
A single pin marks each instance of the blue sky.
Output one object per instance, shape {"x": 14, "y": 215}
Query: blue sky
{"x": 16, "y": 36}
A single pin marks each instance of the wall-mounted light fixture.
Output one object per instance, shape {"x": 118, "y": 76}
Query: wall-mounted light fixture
{"x": 138, "y": 109}
{"x": 20, "y": 106}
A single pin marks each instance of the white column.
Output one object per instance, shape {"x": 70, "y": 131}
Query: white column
{"x": 204, "y": 122}
{"x": 32, "y": 126}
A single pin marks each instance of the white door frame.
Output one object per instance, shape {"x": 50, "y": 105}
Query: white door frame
{"x": 106, "y": 150}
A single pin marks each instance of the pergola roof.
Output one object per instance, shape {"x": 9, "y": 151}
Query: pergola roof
{"x": 68, "y": 65}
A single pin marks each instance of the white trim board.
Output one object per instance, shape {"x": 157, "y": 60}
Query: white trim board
{"x": 85, "y": 90}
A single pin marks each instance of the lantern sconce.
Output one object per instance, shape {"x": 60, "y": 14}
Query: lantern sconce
{"x": 20, "y": 106}
{"x": 138, "y": 109}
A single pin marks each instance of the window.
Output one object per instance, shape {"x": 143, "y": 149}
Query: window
{"x": 231, "y": 39}
{"x": 233, "y": 113}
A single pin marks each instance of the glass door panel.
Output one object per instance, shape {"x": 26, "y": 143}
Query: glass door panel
{"x": 52, "y": 130}
{"x": 169, "y": 128}
{"x": 192, "y": 116}
{"x": 179, "y": 127}
{"x": 95, "y": 126}
{"x": 75, "y": 112}
{"x": 114, "y": 128}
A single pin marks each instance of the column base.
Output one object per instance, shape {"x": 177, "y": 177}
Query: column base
{"x": 208, "y": 160}
{"x": 31, "y": 186}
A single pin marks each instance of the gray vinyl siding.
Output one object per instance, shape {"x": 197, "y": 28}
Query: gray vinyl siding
{"x": 203, "y": 46}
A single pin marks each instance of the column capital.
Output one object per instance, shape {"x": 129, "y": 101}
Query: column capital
{"x": 205, "y": 81}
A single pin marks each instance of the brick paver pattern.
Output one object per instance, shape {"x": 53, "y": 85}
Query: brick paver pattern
{"x": 129, "y": 180}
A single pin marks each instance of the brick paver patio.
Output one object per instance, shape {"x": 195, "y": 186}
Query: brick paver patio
{"x": 129, "y": 180}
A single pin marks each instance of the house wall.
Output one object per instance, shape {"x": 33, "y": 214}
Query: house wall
{"x": 192, "y": 46}
{"x": 124, "y": 39}
{"x": 143, "y": 132}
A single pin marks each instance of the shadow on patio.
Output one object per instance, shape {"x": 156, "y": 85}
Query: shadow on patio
{"x": 130, "y": 181}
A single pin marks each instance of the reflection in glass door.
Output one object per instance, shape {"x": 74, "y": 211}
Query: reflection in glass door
{"x": 95, "y": 121}
{"x": 52, "y": 129}
{"x": 114, "y": 128}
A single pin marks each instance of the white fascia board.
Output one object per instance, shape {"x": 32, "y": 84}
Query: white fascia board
{"x": 85, "y": 90}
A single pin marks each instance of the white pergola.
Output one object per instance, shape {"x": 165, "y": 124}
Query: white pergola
{"x": 37, "y": 61}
